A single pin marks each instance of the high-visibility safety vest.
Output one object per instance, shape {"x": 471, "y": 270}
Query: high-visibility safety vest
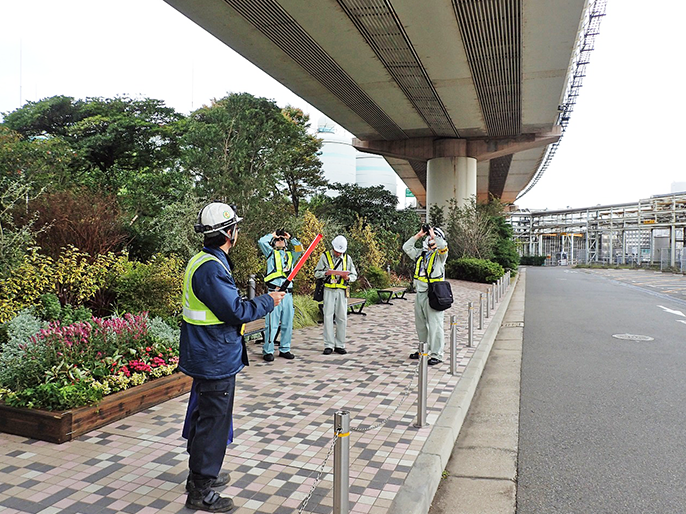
{"x": 339, "y": 281}
{"x": 429, "y": 268}
{"x": 278, "y": 261}
{"x": 194, "y": 311}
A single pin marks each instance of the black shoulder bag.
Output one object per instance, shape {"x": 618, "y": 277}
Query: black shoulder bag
{"x": 440, "y": 293}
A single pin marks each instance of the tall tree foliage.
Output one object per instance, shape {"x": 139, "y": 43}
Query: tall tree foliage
{"x": 375, "y": 204}
{"x": 300, "y": 167}
{"x": 112, "y": 140}
{"x": 230, "y": 149}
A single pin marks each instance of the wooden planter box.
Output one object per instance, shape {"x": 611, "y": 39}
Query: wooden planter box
{"x": 61, "y": 426}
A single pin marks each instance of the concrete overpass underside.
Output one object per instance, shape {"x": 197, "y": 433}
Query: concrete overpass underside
{"x": 469, "y": 87}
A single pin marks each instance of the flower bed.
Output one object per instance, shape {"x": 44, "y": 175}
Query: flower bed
{"x": 62, "y": 426}
{"x": 63, "y": 367}
{"x": 59, "y": 381}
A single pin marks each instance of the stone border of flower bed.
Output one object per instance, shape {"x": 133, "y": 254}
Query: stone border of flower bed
{"x": 61, "y": 426}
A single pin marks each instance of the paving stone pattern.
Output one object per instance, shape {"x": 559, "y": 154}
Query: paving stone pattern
{"x": 283, "y": 430}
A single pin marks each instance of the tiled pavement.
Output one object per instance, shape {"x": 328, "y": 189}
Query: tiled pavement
{"x": 283, "y": 430}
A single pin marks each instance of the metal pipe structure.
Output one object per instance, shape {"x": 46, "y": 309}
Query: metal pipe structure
{"x": 470, "y": 325}
{"x": 251, "y": 287}
{"x": 453, "y": 344}
{"x": 488, "y": 303}
{"x": 481, "y": 311}
{"x": 422, "y": 386}
{"x": 632, "y": 233}
{"x": 341, "y": 463}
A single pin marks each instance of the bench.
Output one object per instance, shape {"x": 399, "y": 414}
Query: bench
{"x": 255, "y": 327}
{"x": 353, "y": 303}
{"x": 393, "y": 294}
{"x": 357, "y": 302}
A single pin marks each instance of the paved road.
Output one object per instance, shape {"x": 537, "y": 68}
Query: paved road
{"x": 602, "y": 420}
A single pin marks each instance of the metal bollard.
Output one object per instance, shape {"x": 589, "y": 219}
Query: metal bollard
{"x": 453, "y": 344}
{"x": 481, "y": 311}
{"x": 341, "y": 463}
{"x": 493, "y": 296}
{"x": 251, "y": 287}
{"x": 488, "y": 303}
{"x": 422, "y": 385}
{"x": 470, "y": 325}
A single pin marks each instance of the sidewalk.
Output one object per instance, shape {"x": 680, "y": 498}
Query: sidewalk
{"x": 284, "y": 430}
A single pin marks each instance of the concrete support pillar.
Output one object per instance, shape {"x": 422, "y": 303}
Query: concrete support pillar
{"x": 450, "y": 177}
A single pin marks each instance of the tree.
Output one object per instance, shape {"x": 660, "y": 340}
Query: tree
{"x": 470, "y": 233}
{"x": 300, "y": 167}
{"x": 39, "y": 162}
{"x": 375, "y": 204}
{"x": 231, "y": 149}
{"x": 111, "y": 139}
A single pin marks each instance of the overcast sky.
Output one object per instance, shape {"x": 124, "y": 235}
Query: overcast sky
{"x": 622, "y": 144}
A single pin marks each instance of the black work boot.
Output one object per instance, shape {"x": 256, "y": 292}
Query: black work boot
{"x": 211, "y": 501}
{"x": 201, "y": 496}
{"x": 223, "y": 479}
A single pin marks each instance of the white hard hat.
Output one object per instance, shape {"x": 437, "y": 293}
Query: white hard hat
{"x": 216, "y": 217}
{"x": 340, "y": 244}
{"x": 439, "y": 232}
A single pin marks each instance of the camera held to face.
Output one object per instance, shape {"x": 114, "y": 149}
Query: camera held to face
{"x": 426, "y": 228}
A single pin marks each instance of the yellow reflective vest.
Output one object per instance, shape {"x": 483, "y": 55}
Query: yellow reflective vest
{"x": 278, "y": 263}
{"x": 339, "y": 282}
{"x": 429, "y": 268}
{"x": 194, "y": 311}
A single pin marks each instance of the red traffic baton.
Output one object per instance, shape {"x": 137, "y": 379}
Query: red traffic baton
{"x": 300, "y": 263}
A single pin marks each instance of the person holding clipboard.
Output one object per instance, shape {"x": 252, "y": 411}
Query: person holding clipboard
{"x": 338, "y": 271}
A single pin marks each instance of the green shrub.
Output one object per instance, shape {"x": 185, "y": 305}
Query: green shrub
{"x": 154, "y": 287}
{"x": 75, "y": 277}
{"x": 370, "y": 295}
{"x": 378, "y": 278}
{"x": 52, "y": 396}
{"x": 532, "y": 260}
{"x": 505, "y": 254}
{"x": 51, "y": 310}
{"x": 474, "y": 270}
{"x": 306, "y": 311}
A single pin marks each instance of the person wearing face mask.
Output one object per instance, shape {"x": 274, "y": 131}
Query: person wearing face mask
{"x": 280, "y": 262}
{"x": 337, "y": 269}
{"x": 429, "y": 266}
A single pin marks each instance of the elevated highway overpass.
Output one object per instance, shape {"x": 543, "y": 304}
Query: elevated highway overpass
{"x": 462, "y": 97}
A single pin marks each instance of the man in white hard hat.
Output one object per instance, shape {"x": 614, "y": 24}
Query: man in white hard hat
{"x": 280, "y": 262}
{"x": 429, "y": 267}
{"x": 212, "y": 351}
{"x": 337, "y": 269}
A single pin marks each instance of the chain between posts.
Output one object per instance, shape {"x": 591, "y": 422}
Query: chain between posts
{"x": 332, "y": 445}
{"x": 404, "y": 395}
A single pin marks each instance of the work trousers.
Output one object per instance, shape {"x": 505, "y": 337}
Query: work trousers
{"x": 429, "y": 323}
{"x": 210, "y": 425}
{"x": 335, "y": 304}
{"x": 281, "y": 315}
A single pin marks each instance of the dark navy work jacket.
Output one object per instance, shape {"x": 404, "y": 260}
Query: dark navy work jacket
{"x": 214, "y": 352}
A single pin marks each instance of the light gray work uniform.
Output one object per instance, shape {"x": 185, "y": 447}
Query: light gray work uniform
{"x": 429, "y": 322}
{"x": 335, "y": 302}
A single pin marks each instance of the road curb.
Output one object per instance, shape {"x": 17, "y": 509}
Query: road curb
{"x": 417, "y": 493}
